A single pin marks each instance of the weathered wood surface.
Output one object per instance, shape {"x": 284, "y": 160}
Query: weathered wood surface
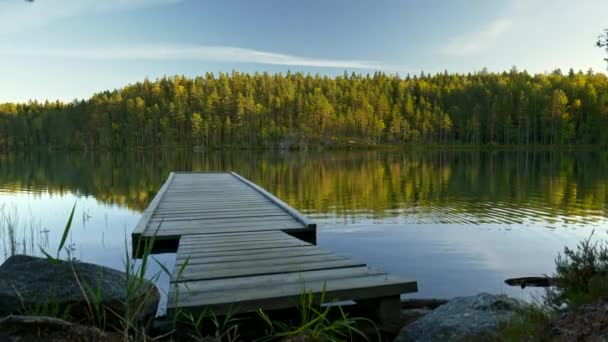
{"x": 235, "y": 251}
{"x": 244, "y": 272}
{"x": 215, "y": 203}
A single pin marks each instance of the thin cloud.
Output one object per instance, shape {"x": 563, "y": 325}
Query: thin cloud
{"x": 476, "y": 42}
{"x": 17, "y": 16}
{"x": 194, "y": 53}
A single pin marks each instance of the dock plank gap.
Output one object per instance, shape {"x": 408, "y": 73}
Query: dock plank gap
{"x": 240, "y": 248}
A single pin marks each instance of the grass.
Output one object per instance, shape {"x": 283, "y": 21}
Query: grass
{"x": 226, "y": 327}
{"x": 315, "y": 323}
{"x": 16, "y": 240}
{"x": 529, "y": 324}
{"x": 130, "y": 325}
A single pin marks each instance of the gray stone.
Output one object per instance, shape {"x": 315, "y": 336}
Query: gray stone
{"x": 462, "y": 318}
{"x": 30, "y": 284}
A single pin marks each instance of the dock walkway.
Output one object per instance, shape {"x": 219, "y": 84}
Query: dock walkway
{"x": 245, "y": 250}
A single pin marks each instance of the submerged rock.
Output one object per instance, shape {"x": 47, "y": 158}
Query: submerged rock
{"x": 31, "y": 284}
{"x": 462, "y": 317}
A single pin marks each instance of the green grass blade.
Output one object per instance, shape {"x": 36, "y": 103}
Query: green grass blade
{"x": 49, "y": 257}
{"x": 66, "y": 231}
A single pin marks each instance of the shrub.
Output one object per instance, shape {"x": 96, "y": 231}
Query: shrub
{"x": 582, "y": 275}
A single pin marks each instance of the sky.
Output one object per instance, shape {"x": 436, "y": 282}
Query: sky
{"x": 71, "y": 49}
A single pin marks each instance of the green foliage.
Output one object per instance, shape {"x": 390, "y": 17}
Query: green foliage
{"x": 582, "y": 275}
{"x": 137, "y": 292}
{"x": 315, "y": 324}
{"x": 530, "y": 324}
{"x": 66, "y": 230}
{"x": 225, "y": 328}
{"x": 264, "y": 110}
{"x": 582, "y": 278}
{"x": 64, "y": 236}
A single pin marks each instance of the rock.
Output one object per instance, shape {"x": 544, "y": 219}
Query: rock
{"x": 39, "y": 328}
{"x": 588, "y": 322}
{"x": 462, "y": 318}
{"x": 33, "y": 284}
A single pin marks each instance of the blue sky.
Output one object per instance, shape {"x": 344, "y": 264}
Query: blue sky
{"x": 66, "y": 49}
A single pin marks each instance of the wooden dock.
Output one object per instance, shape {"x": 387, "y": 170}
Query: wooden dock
{"x": 248, "y": 250}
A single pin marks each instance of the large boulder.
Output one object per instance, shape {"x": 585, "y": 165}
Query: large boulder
{"x": 30, "y": 284}
{"x": 462, "y": 318}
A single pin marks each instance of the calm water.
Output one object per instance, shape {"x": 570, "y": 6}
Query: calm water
{"x": 458, "y": 222}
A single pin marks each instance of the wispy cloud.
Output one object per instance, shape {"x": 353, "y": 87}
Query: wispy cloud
{"x": 476, "y": 42}
{"x": 16, "y": 16}
{"x": 224, "y": 54}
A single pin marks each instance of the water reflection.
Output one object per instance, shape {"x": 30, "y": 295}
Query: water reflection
{"x": 553, "y": 188}
{"x": 458, "y": 222}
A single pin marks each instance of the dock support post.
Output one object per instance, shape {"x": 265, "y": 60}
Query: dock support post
{"x": 385, "y": 310}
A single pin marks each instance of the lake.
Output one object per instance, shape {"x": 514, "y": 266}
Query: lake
{"x": 459, "y": 222}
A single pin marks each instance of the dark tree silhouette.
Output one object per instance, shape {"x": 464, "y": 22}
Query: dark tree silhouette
{"x": 602, "y": 42}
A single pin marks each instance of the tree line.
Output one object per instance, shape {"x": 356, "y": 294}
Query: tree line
{"x": 290, "y": 110}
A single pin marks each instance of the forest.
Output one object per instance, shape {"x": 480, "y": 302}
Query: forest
{"x": 296, "y": 110}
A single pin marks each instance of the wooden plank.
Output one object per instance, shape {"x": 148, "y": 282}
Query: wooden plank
{"x": 228, "y": 220}
{"x": 223, "y": 229}
{"x": 229, "y": 227}
{"x": 205, "y": 187}
{"x": 211, "y": 208}
{"x": 176, "y": 212}
{"x": 199, "y": 193}
{"x": 142, "y": 224}
{"x": 273, "y": 221}
{"x": 214, "y": 205}
{"x": 224, "y": 198}
{"x": 230, "y": 235}
{"x": 219, "y": 196}
{"x": 261, "y": 255}
{"x": 177, "y": 205}
{"x": 229, "y": 212}
{"x": 203, "y": 217}
{"x": 285, "y": 296}
{"x": 196, "y": 253}
{"x": 236, "y": 243}
{"x": 190, "y": 290}
{"x": 240, "y": 246}
{"x": 177, "y": 233}
{"x": 261, "y": 263}
{"x": 263, "y": 270}
{"x": 278, "y": 202}
{"x": 264, "y": 266}
{"x": 219, "y": 208}
{"x": 249, "y": 282}
{"x": 228, "y": 241}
